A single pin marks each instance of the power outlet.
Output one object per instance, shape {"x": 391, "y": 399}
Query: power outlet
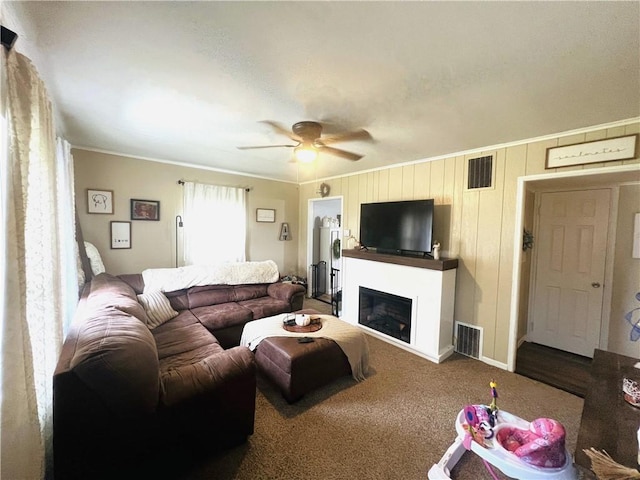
{"x": 346, "y": 232}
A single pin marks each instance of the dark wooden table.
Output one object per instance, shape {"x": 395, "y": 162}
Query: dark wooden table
{"x": 608, "y": 422}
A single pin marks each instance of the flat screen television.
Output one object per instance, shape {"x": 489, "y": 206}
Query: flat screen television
{"x": 404, "y": 227}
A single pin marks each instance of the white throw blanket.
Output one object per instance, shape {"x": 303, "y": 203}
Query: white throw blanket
{"x": 350, "y": 339}
{"x": 171, "y": 279}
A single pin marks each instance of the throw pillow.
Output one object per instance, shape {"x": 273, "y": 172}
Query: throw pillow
{"x": 95, "y": 260}
{"x": 158, "y": 308}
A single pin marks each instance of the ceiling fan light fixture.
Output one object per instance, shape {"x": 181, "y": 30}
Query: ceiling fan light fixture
{"x": 305, "y": 153}
{"x": 309, "y": 141}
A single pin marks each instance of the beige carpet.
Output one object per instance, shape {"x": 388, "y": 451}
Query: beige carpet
{"x": 393, "y": 425}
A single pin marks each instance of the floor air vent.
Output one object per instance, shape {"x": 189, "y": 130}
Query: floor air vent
{"x": 468, "y": 339}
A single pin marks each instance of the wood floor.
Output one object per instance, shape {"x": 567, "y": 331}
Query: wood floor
{"x": 320, "y": 306}
{"x": 559, "y": 369}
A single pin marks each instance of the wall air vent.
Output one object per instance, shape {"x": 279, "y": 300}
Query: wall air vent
{"x": 480, "y": 172}
{"x": 468, "y": 340}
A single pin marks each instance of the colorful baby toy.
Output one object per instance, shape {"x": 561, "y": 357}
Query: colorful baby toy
{"x": 520, "y": 449}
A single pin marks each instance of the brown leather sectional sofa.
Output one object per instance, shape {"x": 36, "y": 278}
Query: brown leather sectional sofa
{"x": 122, "y": 392}
{"x": 225, "y": 309}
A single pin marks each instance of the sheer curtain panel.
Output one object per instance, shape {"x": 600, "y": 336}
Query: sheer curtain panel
{"x": 37, "y": 271}
{"x": 215, "y": 224}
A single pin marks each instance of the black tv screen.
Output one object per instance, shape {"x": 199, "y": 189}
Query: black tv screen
{"x": 397, "y": 227}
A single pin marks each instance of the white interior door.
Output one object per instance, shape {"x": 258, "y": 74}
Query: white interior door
{"x": 569, "y": 270}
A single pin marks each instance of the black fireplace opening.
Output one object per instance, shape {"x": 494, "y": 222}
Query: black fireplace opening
{"x": 386, "y": 313}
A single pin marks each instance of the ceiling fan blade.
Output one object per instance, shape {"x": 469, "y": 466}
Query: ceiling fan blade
{"x": 346, "y": 137}
{"x": 264, "y": 146}
{"x": 282, "y": 130}
{"x": 341, "y": 153}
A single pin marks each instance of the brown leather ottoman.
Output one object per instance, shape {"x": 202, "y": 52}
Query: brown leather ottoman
{"x": 297, "y": 368}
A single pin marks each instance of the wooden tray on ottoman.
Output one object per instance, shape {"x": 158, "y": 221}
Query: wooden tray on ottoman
{"x": 314, "y": 326}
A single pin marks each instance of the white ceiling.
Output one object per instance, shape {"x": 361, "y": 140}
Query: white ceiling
{"x": 188, "y": 82}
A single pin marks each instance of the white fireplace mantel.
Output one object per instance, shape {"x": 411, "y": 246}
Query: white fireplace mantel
{"x": 430, "y": 284}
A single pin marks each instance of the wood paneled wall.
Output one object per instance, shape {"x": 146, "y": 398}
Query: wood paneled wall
{"x": 477, "y": 227}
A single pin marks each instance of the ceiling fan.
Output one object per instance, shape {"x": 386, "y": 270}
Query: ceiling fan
{"x": 309, "y": 141}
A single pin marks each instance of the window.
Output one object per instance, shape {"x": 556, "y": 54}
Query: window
{"x": 215, "y": 224}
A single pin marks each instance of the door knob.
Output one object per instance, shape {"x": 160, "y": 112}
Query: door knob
{"x": 595, "y": 285}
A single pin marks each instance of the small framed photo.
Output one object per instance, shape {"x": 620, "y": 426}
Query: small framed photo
{"x": 267, "y": 215}
{"x": 120, "y": 235}
{"x": 99, "y": 201}
{"x": 145, "y": 209}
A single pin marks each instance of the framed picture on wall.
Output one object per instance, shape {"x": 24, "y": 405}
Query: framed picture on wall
{"x": 145, "y": 209}
{"x": 99, "y": 201}
{"x": 267, "y": 215}
{"x": 120, "y": 235}
{"x": 597, "y": 151}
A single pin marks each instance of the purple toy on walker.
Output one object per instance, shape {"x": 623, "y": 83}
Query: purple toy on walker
{"x": 520, "y": 449}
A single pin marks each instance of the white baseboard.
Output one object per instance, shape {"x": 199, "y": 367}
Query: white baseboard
{"x": 405, "y": 346}
{"x": 494, "y": 363}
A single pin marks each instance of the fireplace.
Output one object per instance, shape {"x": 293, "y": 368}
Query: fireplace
{"x": 426, "y": 290}
{"x": 385, "y": 313}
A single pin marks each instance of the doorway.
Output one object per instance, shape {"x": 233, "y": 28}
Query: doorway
{"x": 604, "y": 177}
{"x": 568, "y": 271}
{"x": 324, "y": 251}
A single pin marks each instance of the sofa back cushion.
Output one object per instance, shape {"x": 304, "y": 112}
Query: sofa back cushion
{"x": 249, "y": 292}
{"x": 179, "y": 299}
{"x": 115, "y": 355}
{"x": 210, "y": 295}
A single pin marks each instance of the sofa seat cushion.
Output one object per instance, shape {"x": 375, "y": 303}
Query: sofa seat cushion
{"x": 188, "y": 357}
{"x": 216, "y": 317}
{"x": 266, "y": 306}
{"x": 208, "y": 379}
{"x": 182, "y": 334}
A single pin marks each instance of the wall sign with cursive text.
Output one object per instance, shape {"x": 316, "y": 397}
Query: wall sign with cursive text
{"x": 618, "y": 148}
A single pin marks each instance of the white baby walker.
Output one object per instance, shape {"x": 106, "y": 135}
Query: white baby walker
{"x": 509, "y": 443}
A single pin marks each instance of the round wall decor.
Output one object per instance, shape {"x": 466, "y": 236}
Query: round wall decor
{"x": 324, "y": 189}
{"x": 336, "y": 248}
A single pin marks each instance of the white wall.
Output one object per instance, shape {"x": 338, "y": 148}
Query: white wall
{"x": 153, "y": 243}
{"x": 626, "y": 284}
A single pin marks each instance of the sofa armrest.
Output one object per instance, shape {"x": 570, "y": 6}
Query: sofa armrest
{"x": 134, "y": 280}
{"x": 211, "y": 376}
{"x": 285, "y": 291}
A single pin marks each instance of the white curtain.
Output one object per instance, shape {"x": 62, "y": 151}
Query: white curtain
{"x": 215, "y": 224}
{"x": 37, "y": 270}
